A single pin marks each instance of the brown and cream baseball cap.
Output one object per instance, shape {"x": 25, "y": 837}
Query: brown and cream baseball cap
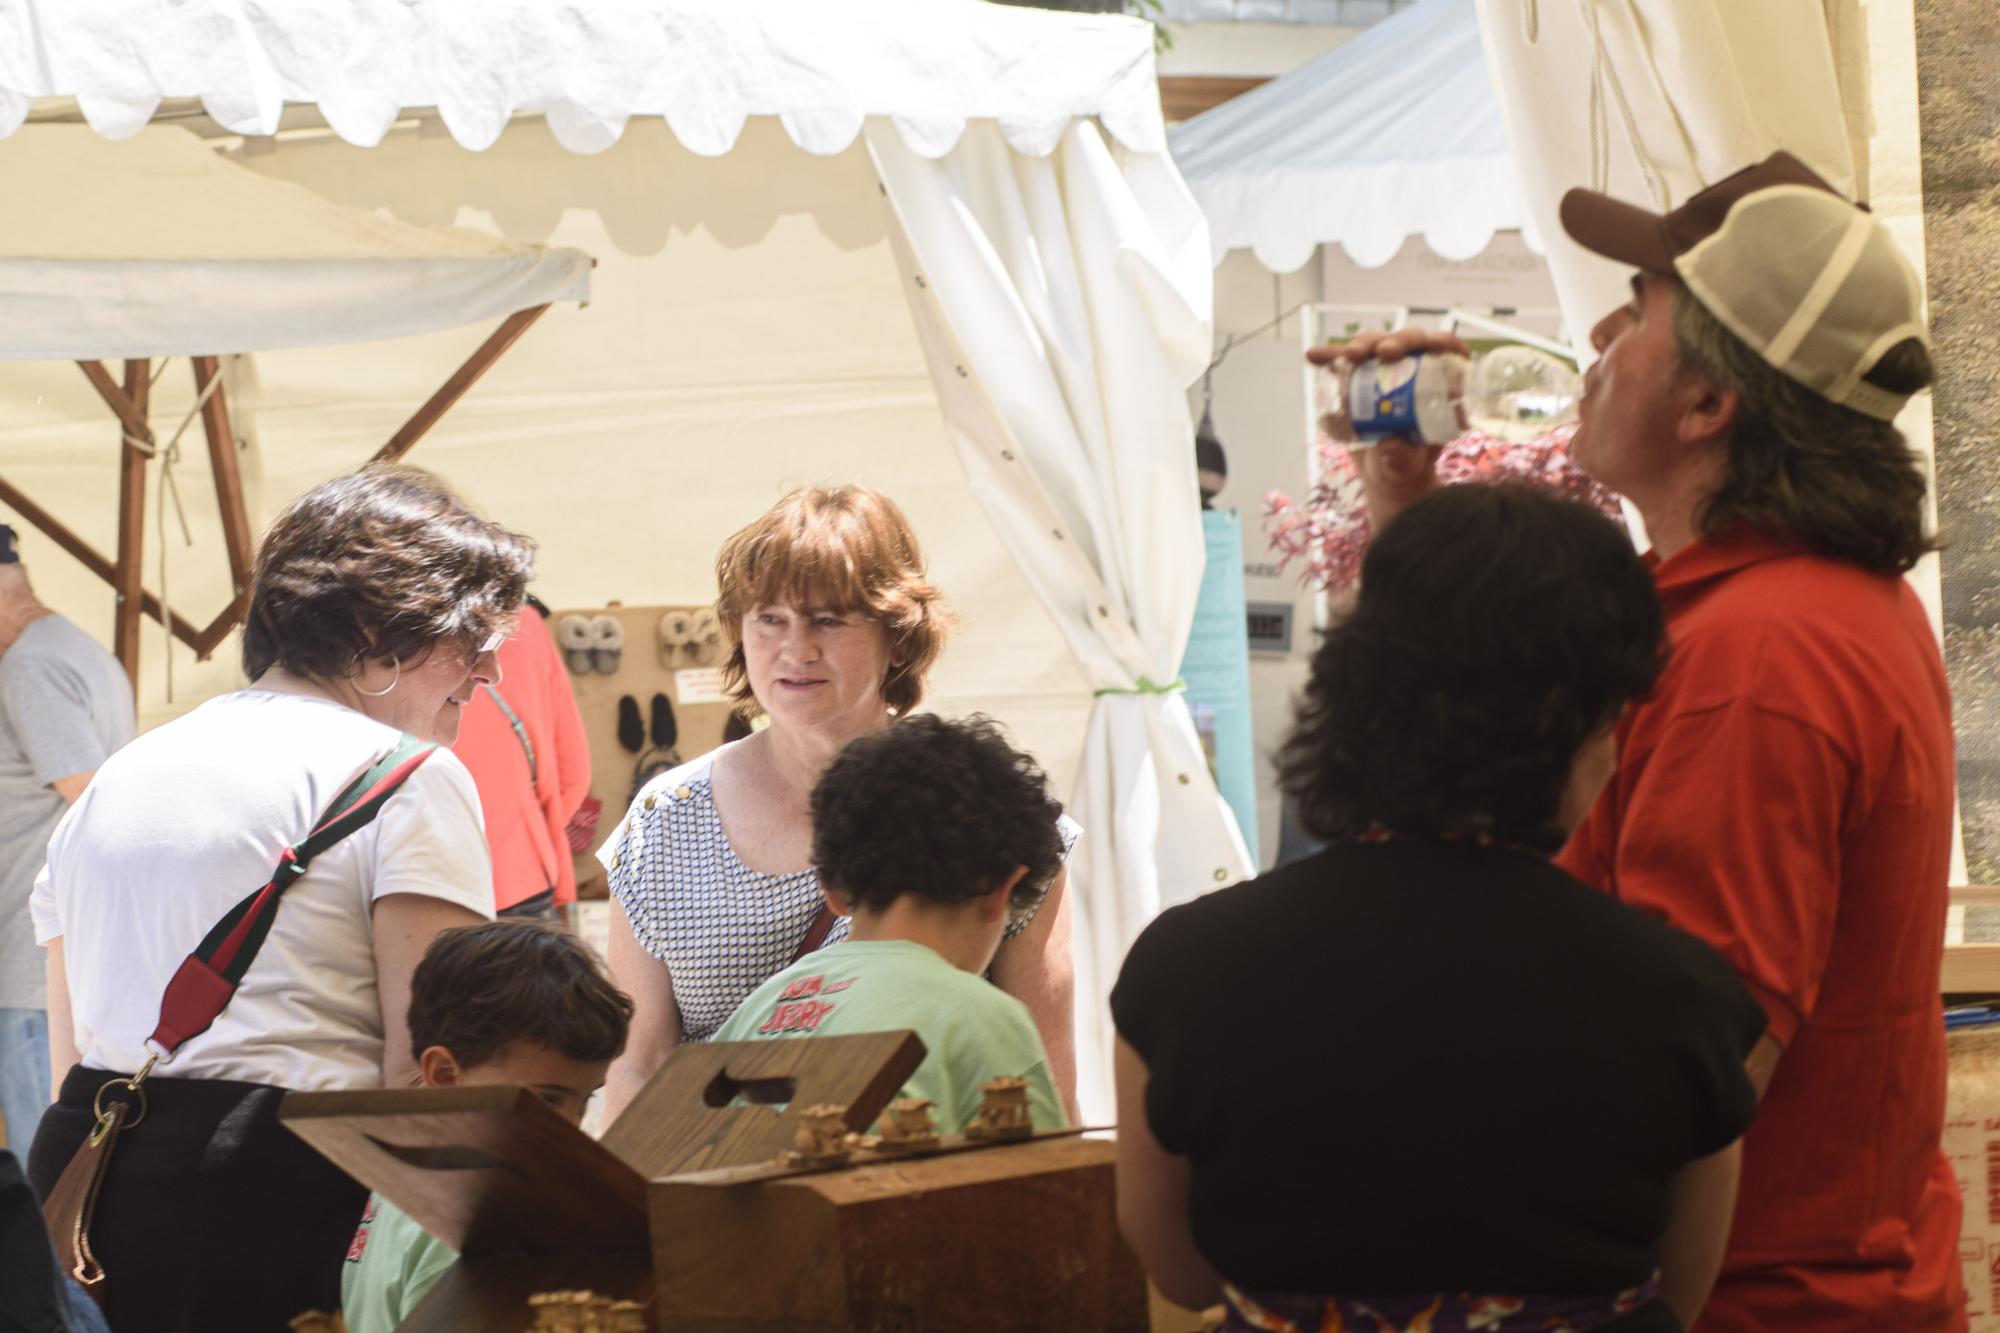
{"x": 1809, "y": 279}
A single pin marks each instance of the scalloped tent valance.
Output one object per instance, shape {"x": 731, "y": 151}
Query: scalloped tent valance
{"x": 1394, "y": 134}
{"x": 218, "y": 259}
{"x": 705, "y": 66}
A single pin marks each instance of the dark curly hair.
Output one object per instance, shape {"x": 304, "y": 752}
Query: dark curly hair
{"x": 480, "y": 989}
{"x": 385, "y": 563}
{"x": 1497, "y": 629}
{"x": 945, "y": 810}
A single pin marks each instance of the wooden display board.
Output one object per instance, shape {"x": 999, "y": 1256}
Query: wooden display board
{"x": 643, "y": 671}
{"x": 688, "y": 1209}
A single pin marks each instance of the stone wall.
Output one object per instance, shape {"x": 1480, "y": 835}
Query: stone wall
{"x": 1958, "y": 74}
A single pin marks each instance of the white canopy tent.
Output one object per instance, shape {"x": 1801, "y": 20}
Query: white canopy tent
{"x": 742, "y": 338}
{"x": 1393, "y": 134}
{"x": 221, "y": 260}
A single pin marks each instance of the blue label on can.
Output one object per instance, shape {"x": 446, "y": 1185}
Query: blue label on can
{"x": 1382, "y": 400}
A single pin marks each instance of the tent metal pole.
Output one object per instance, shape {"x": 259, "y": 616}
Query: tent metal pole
{"x": 461, "y": 380}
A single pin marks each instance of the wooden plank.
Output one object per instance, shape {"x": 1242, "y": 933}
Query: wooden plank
{"x": 90, "y": 557}
{"x": 456, "y": 387}
{"x": 757, "y": 1173}
{"x": 236, "y": 538}
{"x": 1185, "y": 96}
{"x": 683, "y": 1121}
{"x": 1971, "y": 969}
{"x": 125, "y": 577}
{"x": 487, "y": 1170}
{"x": 641, "y": 673}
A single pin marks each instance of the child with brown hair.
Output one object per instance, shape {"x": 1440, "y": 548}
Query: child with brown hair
{"x": 508, "y": 1002}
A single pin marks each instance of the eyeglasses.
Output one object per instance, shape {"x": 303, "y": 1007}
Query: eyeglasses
{"x": 492, "y": 645}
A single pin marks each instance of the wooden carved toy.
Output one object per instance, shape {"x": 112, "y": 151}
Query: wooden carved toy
{"x": 584, "y": 1312}
{"x": 822, "y": 1138}
{"x": 907, "y": 1127}
{"x": 1003, "y": 1111}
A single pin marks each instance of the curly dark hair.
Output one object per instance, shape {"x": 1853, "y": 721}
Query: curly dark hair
{"x": 1497, "y": 629}
{"x": 387, "y": 563}
{"x": 945, "y": 810}
{"x": 480, "y": 989}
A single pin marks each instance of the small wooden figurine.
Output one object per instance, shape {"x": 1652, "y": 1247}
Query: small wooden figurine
{"x": 584, "y": 1312}
{"x": 1003, "y": 1111}
{"x": 822, "y": 1139}
{"x": 906, "y": 1128}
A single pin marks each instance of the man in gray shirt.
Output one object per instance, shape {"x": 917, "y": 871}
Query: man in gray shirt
{"x": 65, "y": 705}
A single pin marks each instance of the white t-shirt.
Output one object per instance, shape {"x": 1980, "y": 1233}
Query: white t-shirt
{"x": 187, "y": 820}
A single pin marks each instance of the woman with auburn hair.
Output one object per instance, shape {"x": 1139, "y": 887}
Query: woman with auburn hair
{"x": 832, "y": 627}
{"x": 378, "y": 601}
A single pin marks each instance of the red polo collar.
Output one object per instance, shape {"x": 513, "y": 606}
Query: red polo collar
{"x": 1714, "y": 557}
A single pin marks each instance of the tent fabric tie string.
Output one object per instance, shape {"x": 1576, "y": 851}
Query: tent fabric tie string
{"x": 167, "y": 456}
{"x": 1146, "y": 685}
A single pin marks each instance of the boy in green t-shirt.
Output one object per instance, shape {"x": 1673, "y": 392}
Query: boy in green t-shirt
{"x": 511, "y": 1002}
{"x": 931, "y": 835}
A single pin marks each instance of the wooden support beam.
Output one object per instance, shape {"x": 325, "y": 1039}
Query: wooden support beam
{"x": 1185, "y": 96}
{"x": 130, "y": 414}
{"x": 222, "y": 460}
{"x": 221, "y": 627}
{"x": 132, "y": 459}
{"x": 455, "y": 388}
{"x": 89, "y": 556}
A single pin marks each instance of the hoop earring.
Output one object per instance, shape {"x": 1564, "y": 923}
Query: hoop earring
{"x": 393, "y": 683}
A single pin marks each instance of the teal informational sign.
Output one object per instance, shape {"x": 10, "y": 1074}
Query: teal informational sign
{"x": 1217, "y": 671}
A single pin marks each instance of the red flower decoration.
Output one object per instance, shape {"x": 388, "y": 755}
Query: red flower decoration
{"x": 1330, "y": 532}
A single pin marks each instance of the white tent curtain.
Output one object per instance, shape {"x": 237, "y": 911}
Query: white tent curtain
{"x": 1063, "y": 306}
{"x": 1653, "y": 100}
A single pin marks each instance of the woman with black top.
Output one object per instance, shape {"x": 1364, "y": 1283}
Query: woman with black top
{"x": 1424, "y": 1079}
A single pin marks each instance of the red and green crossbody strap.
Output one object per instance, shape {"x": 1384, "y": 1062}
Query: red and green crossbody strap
{"x": 208, "y": 977}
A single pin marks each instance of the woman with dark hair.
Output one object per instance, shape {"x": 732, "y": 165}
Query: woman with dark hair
{"x": 379, "y": 600}
{"x": 831, "y": 624}
{"x": 1424, "y": 1078}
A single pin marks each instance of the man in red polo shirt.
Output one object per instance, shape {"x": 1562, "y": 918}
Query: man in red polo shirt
{"x": 1787, "y": 793}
